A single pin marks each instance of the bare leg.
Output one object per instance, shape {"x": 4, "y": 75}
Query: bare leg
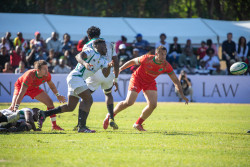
{"x": 151, "y": 97}
{"x": 45, "y": 99}
{"x": 130, "y": 99}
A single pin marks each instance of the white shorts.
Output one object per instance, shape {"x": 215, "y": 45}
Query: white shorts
{"x": 98, "y": 79}
{"x": 76, "y": 85}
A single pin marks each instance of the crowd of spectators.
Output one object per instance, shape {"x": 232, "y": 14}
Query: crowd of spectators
{"x": 17, "y": 55}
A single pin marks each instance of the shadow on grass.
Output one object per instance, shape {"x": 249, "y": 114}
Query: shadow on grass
{"x": 28, "y": 133}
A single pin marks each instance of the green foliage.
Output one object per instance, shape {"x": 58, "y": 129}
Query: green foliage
{"x": 212, "y": 9}
{"x": 178, "y": 135}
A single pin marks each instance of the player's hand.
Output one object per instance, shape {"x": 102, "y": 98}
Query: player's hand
{"x": 186, "y": 99}
{"x": 61, "y": 98}
{"x": 116, "y": 86}
{"x": 111, "y": 64}
{"x": 11, "y": 108}
{"x": 88, "y": 66}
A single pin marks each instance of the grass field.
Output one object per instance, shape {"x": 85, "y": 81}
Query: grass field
{"x": 177, "y": 135}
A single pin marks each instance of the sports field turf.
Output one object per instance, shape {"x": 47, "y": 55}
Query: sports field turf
{"x": 177, "y": 135}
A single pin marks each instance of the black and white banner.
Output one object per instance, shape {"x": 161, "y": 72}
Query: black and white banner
{"x": 211, "y": 89}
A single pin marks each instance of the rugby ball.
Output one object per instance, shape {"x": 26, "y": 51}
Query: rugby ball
{"x": 238, "y": 68}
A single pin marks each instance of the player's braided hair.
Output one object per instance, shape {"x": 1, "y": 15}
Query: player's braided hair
{"x": 98, "y": 41}
{"x": 38, "y": 64}
{"x": 160, "y": 48}
{"x": 93, "y": 32}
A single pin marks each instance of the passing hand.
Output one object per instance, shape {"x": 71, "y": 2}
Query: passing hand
{"x": 61, "y": 98}
{"x": 116, "y": 86}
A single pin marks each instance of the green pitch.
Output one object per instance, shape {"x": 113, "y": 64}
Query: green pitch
{"x": 177, "y": 135}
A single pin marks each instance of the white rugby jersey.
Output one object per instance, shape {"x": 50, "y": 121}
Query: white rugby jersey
{"x": 110, "y": 48}
{"x": 95, "y": 59}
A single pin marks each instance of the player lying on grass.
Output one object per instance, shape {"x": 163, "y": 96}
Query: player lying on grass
{"x": 98, "y": 79}
{"x": 91, "y": 60}
{"x": 151, "y": 66}
{"x": 21, "y": 120}
{"x": 28, "y": 84}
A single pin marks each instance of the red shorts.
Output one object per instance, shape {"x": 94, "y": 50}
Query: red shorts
{"x": 31, "y": 92}
{"x": 137, "y": 84}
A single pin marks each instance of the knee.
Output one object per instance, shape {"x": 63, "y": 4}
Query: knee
{"x": 88, "y": 101}
{"x": 70, "y": 108}
{"x": 128, "y": 103}
{"x": 50, "y": 103}
{"x": 152, "y": 106}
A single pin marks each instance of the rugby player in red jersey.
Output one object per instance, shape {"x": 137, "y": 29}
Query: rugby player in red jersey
{"x": 28, "y": 84}
{"x": 151, "y": 66}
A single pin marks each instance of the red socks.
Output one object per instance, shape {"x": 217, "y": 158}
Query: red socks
{"x": 139, "y": 121}
{"x": 52, "y": 117}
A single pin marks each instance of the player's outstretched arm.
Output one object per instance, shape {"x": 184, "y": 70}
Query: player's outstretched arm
{"x": 20, "y": 97}
{"x": 80, "y": 59}
{"x": 130, "y": 63}
{"x": 116, "y": 71}
{"x": 178, "y": 86}
{"x": 55, "y": 91}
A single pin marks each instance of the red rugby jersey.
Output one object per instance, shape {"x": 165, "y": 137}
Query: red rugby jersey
{"x": 30, "y": 79}
{"x": 149, "y": 69}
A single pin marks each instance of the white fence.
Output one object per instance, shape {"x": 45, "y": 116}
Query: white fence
{"x": 211, "y": 89}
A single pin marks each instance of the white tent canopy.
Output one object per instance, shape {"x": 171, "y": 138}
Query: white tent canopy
{"x": 28, "y": 24}
{"x": 184, "y": 29}
{"x": 112, "y": 28}
{"x": 237, "y": 28}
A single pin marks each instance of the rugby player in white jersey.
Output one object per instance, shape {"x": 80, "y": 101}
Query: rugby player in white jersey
{"x": 90, "y": 61}
{"x": 22, "y": 120}
{"x": 98, "y": 78}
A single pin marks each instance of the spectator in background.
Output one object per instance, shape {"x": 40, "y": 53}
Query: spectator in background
{"x": 242, "y": 50}
{"x": 186, "y": 86}
{"x": 162, "y": 42}
{"x": 175, "y": 48}
{"x": 218, "y": 70}
{"x": 210, "y": 60}
{"x": 19, "y": 41}
{"x": 81, "y": 43}
{"x": 31, "y": 56}
{"x": 141, "y": 44}
{"x": 202, "y": 70}
{"x": 122, "y": 53}
{"x": 228, "y": 50}
{"x": 8, "y": 41}
{"x": 4, "y": 44}
{"x": 134, "y": 55}
{"x": 61, "y": 68}
{"x": 69, "y": 59}
{"x": 7, "y": 68}
{"x": 53, "y": 43}
{"x": 213, "y": 46}
{"x": 40, "y": 54}
{"x": 122, "y": 41}
{"x": 21, "y": 68}
{"x": 66, "y": 44}
{"x": 4, "y": 57}
{"x": 37, "y": 42}
{"x": 202, "y": 50}
{"x": 188, "y": 60}
{"x": 15, "y": 57}
{"x": 174, "y": 53}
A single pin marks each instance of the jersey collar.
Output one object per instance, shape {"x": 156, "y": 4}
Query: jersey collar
{"x": 37, "y": 75}
{"x": 155, "y": 61}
